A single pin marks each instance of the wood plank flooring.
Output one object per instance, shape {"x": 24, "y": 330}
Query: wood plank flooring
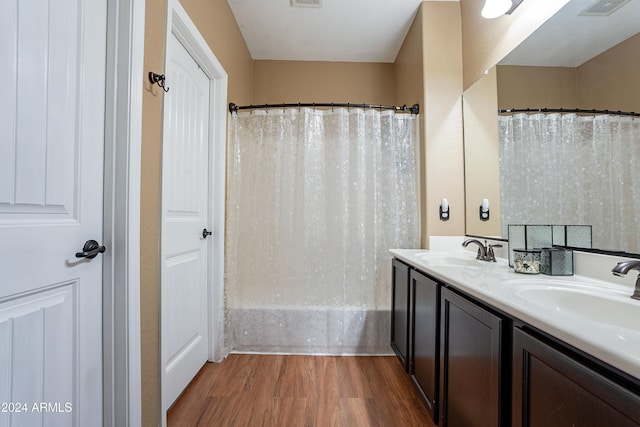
{"x": 315, "y": 391}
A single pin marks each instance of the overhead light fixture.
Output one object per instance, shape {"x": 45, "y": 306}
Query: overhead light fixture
{"x": 514, "y": 6}
{"x": 494, "y": 8}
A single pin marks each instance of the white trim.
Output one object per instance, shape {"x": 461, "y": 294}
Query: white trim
{"x": 136, "y": 57}
{"x": 123, "y": 139}
{"x": 182, "y": 27}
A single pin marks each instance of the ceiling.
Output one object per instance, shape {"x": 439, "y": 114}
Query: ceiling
{"x": 373, "y": 31}
{"x": 569, "y": 39}
{"x": 340, "y": 30}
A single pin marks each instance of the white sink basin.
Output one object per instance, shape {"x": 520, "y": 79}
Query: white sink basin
{"x": 610, "y": 306}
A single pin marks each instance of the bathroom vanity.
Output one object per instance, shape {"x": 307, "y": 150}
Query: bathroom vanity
{"x": 488, "y": 347}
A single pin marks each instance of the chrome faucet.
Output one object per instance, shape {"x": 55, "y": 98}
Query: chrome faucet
{"x": 622, "y": 268}
{"x": 485, "y": 252}
{"x": 482, "y": 249}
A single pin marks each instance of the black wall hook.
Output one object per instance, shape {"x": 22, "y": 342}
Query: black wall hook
{"x": 158, "y": 79}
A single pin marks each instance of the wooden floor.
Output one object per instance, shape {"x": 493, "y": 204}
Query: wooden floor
{"x": 278, "y": 390}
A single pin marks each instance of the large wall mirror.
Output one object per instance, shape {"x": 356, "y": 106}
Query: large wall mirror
{"x": 575, "y": 168}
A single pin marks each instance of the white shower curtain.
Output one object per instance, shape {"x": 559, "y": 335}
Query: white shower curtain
{"x": 573, "y": 169}
{"x": 315, "y": 201}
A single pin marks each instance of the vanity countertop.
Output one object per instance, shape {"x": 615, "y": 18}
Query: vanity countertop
{"x": 597, "y": 317}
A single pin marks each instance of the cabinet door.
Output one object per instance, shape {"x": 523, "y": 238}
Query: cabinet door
{"x": 400, "y": 311}
{"x": 423, "y": 360}
{"x": 470, "y": 364}
{"x": 552, "y": 389}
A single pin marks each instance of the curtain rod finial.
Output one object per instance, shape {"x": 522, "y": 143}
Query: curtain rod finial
{"x": 233, "y": 108}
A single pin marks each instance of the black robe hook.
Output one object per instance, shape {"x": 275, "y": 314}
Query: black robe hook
{"x": 158, "y": 79}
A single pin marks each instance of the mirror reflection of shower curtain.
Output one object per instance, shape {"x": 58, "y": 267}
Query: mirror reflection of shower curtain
{"x": 315, "y": 201}
{"x": 572, "y": 169}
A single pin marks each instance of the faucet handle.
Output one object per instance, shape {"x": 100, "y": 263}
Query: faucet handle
{"x": 491, "y": 256}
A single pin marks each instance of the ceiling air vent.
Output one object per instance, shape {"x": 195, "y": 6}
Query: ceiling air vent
{"x": 306, "y": 3}
{"x": 603, "y": 7}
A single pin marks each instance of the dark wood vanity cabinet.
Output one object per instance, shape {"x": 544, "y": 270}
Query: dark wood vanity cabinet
{"x": 551, "y": 388}
{"x": 400, "y": 311}
{"x": 472, "y": 364}
{"x": 424, "y": 340}
{"x": 477, "y": 366}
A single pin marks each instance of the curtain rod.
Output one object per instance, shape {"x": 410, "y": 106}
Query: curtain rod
{"x": 414, "y": 109}
{"x": 564, "y": 110}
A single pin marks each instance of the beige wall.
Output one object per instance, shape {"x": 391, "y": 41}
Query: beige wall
{"x": 409, "y": 83}
{"x": 155, "y": 17}
{"x": 218, "y": 26}
{"x": 537, "y": 87}
{"x": 409, "y": 66}
{"x": 429, "y": 72}
{"x": 610, "y": 80}
{"x": 481, "y": 149}
{"x": 486, "y": 41}
{"x": 607, "y": 82}
{"x": 309, "y": 81}
{"x": 442, "y": 114}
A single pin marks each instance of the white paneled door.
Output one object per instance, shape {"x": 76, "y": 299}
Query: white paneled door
{"x": 52, "y": 70}
{"x": 185, "y": 222}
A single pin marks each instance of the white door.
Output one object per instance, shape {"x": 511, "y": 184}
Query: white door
{"x": 52, "y": 69}
{"x": 185, "y": 199}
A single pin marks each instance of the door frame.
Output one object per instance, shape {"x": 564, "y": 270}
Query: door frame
{"x": 180, "y": 25}
{"x": 122, "y": 392}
